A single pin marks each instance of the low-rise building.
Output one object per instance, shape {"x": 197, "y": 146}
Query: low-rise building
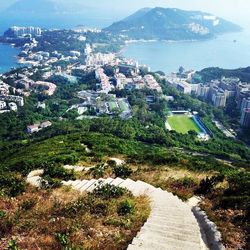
{"x": 103, "y": 79}
{"x": 13, "y": 106}
{"x": 151, "y": 83}
{"x": 2, "y": 105}
{"x": 33, "y": 128}
{"x": 184, "y": 87}
{"x": 12, "y": 98}
{"x": 45, "y": 124}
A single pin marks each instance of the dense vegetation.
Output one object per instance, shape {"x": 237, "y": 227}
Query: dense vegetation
{"x": 209, "y": 74}
{"x": 64, "y": 219}
{"x": 142, "y": 140}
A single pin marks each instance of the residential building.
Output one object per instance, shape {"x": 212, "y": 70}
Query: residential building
{"x": 2, "y": 105}
{"x": 128, "y": 69}
{"x": 45, "y": 124}
{"x": 218, "y": 96}
{"x": 23, "y": 31}
{"x": 13, "y": 106}
{"x": 33, "y": 128}
{"x": 151, "y": 83}
{"x": 245, "y": 104}
{"x": 203, "y": 91}
{"x": 103, "y": 79}
{"x": 12, "y": 98}
{"x": 184, "y": 87}
{"x": 245, "y": 118}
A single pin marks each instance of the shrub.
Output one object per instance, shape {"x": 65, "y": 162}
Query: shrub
{"x": 2, "y": 214}
{"x": 236, "y": 202}
{"x": 98, "y": 171}
{"x": 123, "y": 222}
{"x": 12, "y": 245}
{"x": 75, "y": 207}
{"x": 122, "y": 171}
{"x": 207, "y": 185}
{"x": 108, "y": 191}
{"x": 62, "y": 239}
{"x": 239, "y": 183}
{"x": 111, "y": 163}
{"x": 126, "y": 207}
{"x": 11, "y": 184}
{"x": 48, "y": 182}
{"x": 7, "y": 224}
{"x": 186, "y": 182}
{"x": 58, "y": 172}
{"x": 28, "y": 204}
{"x": 99, "y": 209}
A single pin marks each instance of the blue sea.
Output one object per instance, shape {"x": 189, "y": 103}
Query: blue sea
{"x": 226, "y": 51}
{"x": 7, "y": 57}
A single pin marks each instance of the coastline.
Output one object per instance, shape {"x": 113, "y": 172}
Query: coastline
{"x": 216, "y": 36}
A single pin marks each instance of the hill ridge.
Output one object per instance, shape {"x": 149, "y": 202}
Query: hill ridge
{"x": 171, "y": 24}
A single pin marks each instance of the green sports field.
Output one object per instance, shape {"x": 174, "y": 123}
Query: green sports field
{"x": 182, "y": 124}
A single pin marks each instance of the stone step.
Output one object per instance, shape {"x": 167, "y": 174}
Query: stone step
{"x": 149, "y": 246}
{"x": 107, "y": 181}
{"x": 172, "y": 222}
{"x": 34, "y": 181}
{"x": 169, "y": 204}
{"x": 166, "y": 241}
{"x": 170, "y": 234}
{"x": 170, "y": 209}
{"x": 158, "y": 192}
{"x": 167, "y": 227}
{"x": 165, "y": 200}
{"x": 75, "y": 183}
{"x": 154, "y": 244}
{"x": 67, "y": 183}
{"x": 172, "y": 218}
{"x": 181, "y": 218}
{"x": 84, "y": 182}
{"x": 176, "y": 212}
{"x": 117, "y": 181}
{"x": 81, "y": 183}
{"x": 96, "y": 184}
{"x": 144, "y": 188}
{"x": 34, "y": 173}
{"x": 88, "y": 184}
{"x": 128, "y": 183}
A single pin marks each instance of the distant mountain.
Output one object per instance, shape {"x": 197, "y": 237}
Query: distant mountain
{"x": 45, "y": 7}
{"x": 50, "y": 14}
{"x": 31, "y": 6}
{"x": 171, "y": 24}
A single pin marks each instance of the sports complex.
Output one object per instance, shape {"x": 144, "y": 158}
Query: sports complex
{"x": 185, "y": 121}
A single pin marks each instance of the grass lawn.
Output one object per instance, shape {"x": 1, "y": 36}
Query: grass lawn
{"x": 123, "y": 106}
{"x": 112, "y": 105}
{"x": 183, "y": 124}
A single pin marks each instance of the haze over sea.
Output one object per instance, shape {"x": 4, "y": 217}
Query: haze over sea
{"x": 226, "y": 51}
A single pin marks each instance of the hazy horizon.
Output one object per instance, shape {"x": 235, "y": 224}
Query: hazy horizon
{"x": 236, "y": 11}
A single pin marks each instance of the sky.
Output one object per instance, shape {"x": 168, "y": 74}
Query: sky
{"x": 234, "y": 10}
